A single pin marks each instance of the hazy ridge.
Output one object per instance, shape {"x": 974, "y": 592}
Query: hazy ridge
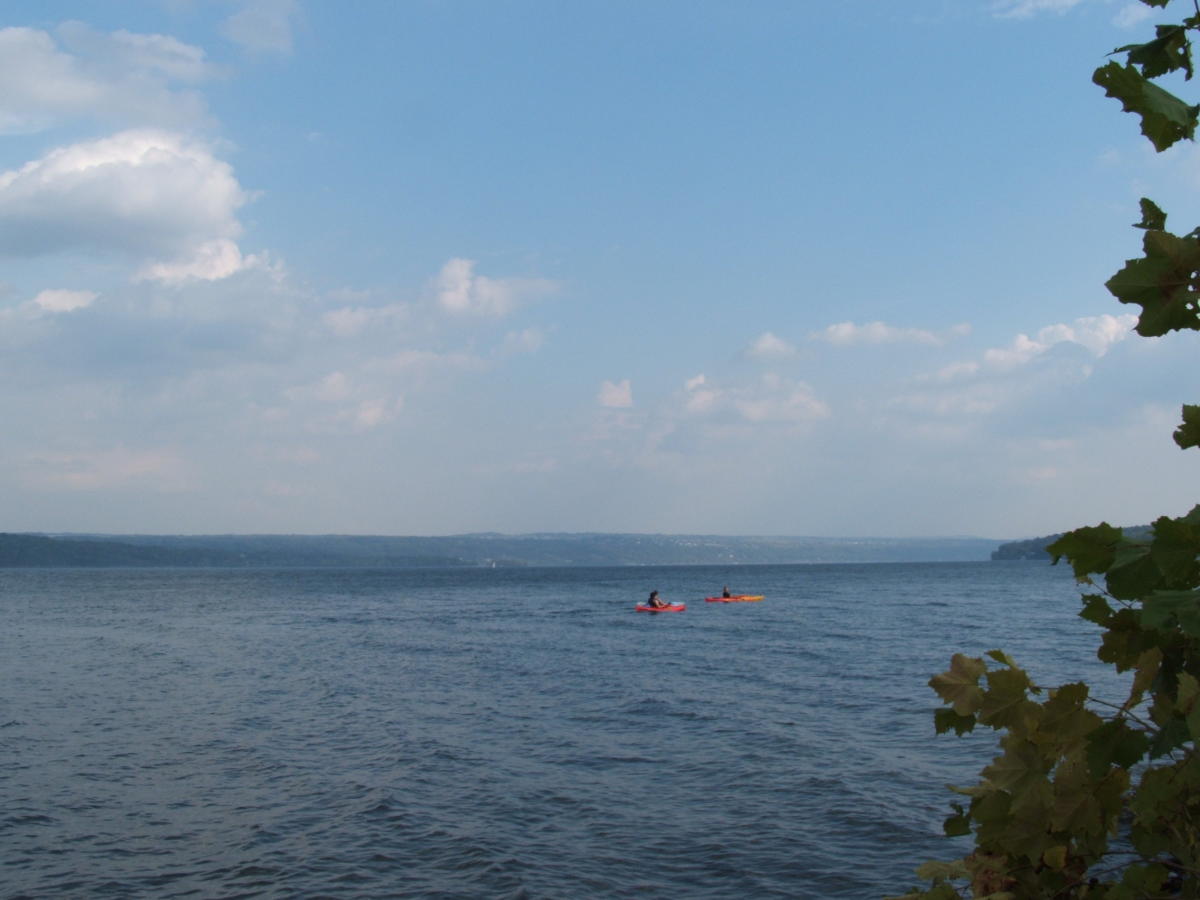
{"x": 1035, "y": 548}
{"x": 556, "y": 549}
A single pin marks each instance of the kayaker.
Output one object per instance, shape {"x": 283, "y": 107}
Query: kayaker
{"x": 725, "y": 592}
{"x": 656, "y": 601}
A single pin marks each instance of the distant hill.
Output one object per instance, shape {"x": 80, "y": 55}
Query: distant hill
{"x": 557, "y": 549}
{"x": 1035, "y": 548}
{"x": 1032, "y": 548}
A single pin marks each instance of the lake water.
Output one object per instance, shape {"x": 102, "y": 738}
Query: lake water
{"x": 497, "y": 732}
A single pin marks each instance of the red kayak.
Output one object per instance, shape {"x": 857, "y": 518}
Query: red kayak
{"x": 736, "y": 598}
{"x": 670, "y": 607}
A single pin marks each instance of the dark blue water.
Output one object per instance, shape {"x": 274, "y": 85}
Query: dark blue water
{"x": 496, "y": 733}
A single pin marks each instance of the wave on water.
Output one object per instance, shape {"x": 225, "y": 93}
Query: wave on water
{"x": 466, "y": 733}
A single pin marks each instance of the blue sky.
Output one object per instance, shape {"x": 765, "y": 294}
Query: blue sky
{"x": 433, "y": 267}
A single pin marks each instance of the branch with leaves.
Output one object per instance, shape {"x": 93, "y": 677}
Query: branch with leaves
{"x": 1089, "y": 799}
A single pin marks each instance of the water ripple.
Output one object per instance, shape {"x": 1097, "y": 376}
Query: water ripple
{"x": 431, "y": 734}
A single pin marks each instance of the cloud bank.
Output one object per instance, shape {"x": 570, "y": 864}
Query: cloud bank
{"x": 157, "y": 197}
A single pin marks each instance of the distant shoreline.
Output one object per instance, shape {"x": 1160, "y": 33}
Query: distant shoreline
{"x": 40, "y": 550}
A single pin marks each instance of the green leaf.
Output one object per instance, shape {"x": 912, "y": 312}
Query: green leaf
{"x": 1175, "y": 547}
{"x": 1165, "y": 118}
{"x": 1066, "y": 720}
{"x": 1188, "y": 434}
{"x": 1124, "y": 641}
{"x": 1172, "y": 735}
{"x": 1096, "y": 609}
{"x": 959, "y": 685}
{"x": 1165, "y": 608}
{"x": 1134, "y": 572}
{"x": 1001, "y": 657}
{"x": 1145, "y": 880}
{"x": 992, "y": 814}
{"x": 1148, "y": 666}
{"x": 1161, "y": 283}
{"x": 1114, "y": 743}
{"x": 1005, "y": 703}
{"x": 1020, "y": 769}
{"x": 1056, "y": 857}
{"x": 1186, "y": 702}
{"x": 1169, "y": 52}
{"x": 1163, "y": 808}
{"x": 1153, "y": 218}
{"x": 957, "y": 824}
{"x": 947, "y": 719}
{"x": 1076, "y": 809}
{"x": 941, "y": 871}
{"x": 1090, "y": 549}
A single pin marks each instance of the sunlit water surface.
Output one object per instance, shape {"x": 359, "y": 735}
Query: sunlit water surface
{"x": 496, "y": 732}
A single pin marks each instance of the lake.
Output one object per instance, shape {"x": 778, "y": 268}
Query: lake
{"x": 498, "y": 732}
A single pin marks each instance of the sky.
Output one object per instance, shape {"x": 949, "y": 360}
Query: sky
{"x": 431, "y": 267}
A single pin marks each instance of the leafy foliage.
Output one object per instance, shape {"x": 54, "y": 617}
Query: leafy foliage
{"x": 1088, "y": 799}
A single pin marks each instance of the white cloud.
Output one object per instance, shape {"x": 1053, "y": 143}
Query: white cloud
{"x": 210, "y": 261}
{"x": 156, "y": 196}
{"x": 700, "y": 398}
{"x": 351, "y": 321}
{"x": 263, "y": 25}
{"x": 61, "y": 301}
{"x": 615, "y": 395}
{"x": 1024, "y": 9}
{"x": 781, "y": 400}
{"x": 953, "y": 372}
{"x": 155, "y": 469}
{"x": 371, "y": 413}
{"x": 461, "y": 292}
{"x": 768, "y": 346}
{"x": 846, "y": 333}
{"x": 339, "y": 403}
{"x": 129, "y": 54}
{"x": 121, "y": 76}
{"x": 424, "y": 362}
{"x": 347, "y": 321}
{"x": 527, "y": 340}
{"x": 771, "y": 399}
{"x": 975, "y": 399}
{"x": 333, "y": 388}
{"x": 1014, "y": 382}
{"x": 1096, "y": 333}
{"x": 1132, "y": 14}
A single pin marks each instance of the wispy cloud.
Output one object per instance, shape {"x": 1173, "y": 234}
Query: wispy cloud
{"x": 846, "y": 333}
{"x": 1024, "y": 9}
{"x": 339, "y": 403}
{"x": 1017, "y": 378}
{"x": 156, "y": 469}
{"x": 263, "y": 26}
{"x": 460, "y": 291}
{"x": 615, "y": 394}
{"x": 527, "y": 340}
{"x": 1097, "y": 334}
{"x": 77, "y": 72}
{"x": 62, "y": 301}
{"x": 1132, "y": 14}
{"x": 769, "y": 399}
{"x": 769, "y": 346}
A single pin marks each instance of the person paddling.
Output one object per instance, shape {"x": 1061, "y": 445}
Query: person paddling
{"x": 725, "y": 592}
{"x": 656, "y": 601}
